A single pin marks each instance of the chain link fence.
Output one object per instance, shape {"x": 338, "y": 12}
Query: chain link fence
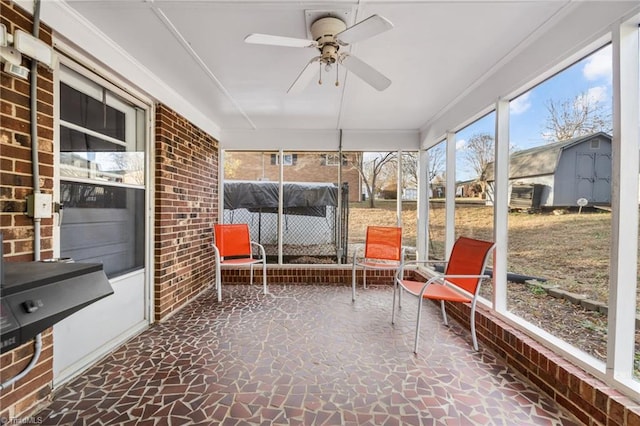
{"x": 309, "y": 233}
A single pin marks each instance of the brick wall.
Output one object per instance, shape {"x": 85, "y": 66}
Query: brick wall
{"x": 16, "y": 182}
{"x": 33, "y": 390}
{"x": 15, "y": 147}
{"x": 309, "y": 167}
{"x": 186, "y": 200}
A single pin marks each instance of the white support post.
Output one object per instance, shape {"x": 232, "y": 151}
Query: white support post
{"x": 501, "y": 206}
{"x": 624, "y": 219}
{"x": 422, "y": 244}
{"x": 399, "y": 189}
{"x": 280, "y": 205}
{"x": 338, "y": 213}
{"x": 450, "y": 196}
{"x": 221, "y": 153}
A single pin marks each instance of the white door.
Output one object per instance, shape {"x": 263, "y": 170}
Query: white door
{"x": 100, "y": 184}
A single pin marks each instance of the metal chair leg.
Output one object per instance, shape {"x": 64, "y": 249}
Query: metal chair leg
{"x": 415, "y": 344}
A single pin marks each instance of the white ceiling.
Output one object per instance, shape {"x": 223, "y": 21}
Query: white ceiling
{"x": 439, "y": 55}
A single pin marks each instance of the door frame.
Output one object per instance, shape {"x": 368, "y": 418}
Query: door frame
{"x": 76, "y": 61}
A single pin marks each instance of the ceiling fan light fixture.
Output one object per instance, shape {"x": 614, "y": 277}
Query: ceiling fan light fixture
{"x": 329, "y": 33}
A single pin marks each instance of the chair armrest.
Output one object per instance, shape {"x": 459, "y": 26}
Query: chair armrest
{"x": 422, "y": 262}
{"x": 465, "y": 276}
{"x": 438, "y": 274}
{"x": 260, "y": 248}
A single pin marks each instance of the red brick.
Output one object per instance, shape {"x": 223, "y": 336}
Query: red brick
{"x": 185, "y": 171}
{"x": 633, "y": 416}
{"x": 17, "y": 228}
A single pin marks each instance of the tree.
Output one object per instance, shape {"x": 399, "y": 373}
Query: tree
{"x": 437, "y": 161}
{"x": 479, "y": 152}
{"x": 409, "y": 169}
{"x": 231, "y": 166}
{"x": 436, "y": 165}
{"x": 575, "y": 117}
{"x": 369, "y": 167}
{"x": 130, "y": 166}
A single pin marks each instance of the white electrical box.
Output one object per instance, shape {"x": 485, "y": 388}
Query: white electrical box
{"x": 39, "y": 206}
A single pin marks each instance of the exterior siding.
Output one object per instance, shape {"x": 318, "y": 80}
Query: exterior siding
{"x": 569, "y": 173}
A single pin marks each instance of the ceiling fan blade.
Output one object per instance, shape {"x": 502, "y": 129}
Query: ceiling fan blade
{"x": 273, "y": 40}
{"x": 373, "y": 25}
{"x": 305, "y": 77}
{"x": 365, "y": 71}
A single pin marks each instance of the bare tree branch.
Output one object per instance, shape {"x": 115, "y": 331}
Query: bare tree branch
{"x": 437, "y": 161}
{"x": 479, "y": 153}
{"x": 575, "y": 117}
{"x": 370, "y": 170}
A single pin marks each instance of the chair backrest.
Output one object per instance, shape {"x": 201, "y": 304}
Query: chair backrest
{"x": 233, "y": 239}
{"x": 383, "y": 242}
{"x": 468, "y": 257}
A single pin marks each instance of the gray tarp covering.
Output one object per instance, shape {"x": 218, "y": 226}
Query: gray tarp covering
{"x": 308, "y": 198}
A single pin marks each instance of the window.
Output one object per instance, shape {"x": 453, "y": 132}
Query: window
{"x": 287, "y": 159}
{"x": 310, "y": 207}
{"x": 558, "y": 157}
{"x": 333, "y": 160}
{"x": 475, "y": 150}
{"x": 311, "y": 230}
{"x": 436, "y": 177}
{"x": 102, "y": 176}
{"x": 315, "y": 228}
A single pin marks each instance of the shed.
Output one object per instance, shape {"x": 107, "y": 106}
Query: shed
{"x": 562, "y": 172}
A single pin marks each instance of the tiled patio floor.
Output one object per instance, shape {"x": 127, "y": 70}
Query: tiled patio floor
{"x": 304, "y": 355}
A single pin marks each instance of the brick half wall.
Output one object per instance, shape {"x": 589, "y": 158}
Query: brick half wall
{"x": 589, "y": 399}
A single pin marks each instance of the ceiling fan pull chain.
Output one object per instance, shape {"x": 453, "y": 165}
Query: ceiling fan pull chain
{"x": 337, "y": 82}
{"x": 320, "y": 81}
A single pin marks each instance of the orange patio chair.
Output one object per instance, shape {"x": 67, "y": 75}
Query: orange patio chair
{"x": 382, "y": 251}
{"x": 233, "y": 246}
{"x": 460, "y": 282}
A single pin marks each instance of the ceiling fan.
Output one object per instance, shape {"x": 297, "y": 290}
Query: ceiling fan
{"x": 329, "y": 34}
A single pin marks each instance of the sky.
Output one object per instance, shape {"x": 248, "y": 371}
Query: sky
{"x": 591, "y": 76}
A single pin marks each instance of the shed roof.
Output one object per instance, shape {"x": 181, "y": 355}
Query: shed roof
{"x": 541, "y": 160}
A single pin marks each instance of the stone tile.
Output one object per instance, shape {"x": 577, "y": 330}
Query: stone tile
{"x": 305, "y": 354}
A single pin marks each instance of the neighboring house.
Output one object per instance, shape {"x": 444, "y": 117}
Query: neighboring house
{"x": 298, "y": 167}
{"x": 560, "y": 173}
{"x": 468, "y": 188}
{"x": 410, "y": 194}
{"x": 437, "y": 190}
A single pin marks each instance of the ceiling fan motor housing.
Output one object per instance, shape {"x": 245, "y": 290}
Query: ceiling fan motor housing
{"x": 324, "y": 32}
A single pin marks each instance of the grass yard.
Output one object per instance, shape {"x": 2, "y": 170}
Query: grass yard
{"x": 569, "y": 250}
